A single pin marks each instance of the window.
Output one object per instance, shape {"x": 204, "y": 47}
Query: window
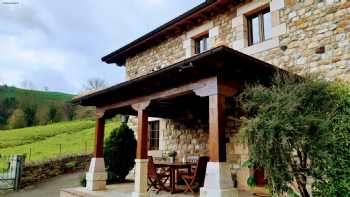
{"x": 201, "y": 43}
{"x": 259, "y": 26}
{"x": 153, "y": 131}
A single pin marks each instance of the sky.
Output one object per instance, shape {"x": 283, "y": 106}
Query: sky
{"x": 57, "y": 45}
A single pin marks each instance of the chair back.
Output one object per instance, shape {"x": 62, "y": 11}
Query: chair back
{"x": 192, "y": 159}
{"x": 201, "y": 168}
{"x": 152, "y": 171}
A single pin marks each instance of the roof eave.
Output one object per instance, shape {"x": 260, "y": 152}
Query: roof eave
{"x": 119, "y": 56}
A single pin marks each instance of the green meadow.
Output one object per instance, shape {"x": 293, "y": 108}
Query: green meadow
{"x": 48, "y": 142}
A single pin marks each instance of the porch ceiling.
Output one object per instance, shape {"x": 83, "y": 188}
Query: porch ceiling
{"x": 220, "y": 61}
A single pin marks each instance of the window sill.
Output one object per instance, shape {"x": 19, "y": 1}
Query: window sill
{"x": 263, "y": 46}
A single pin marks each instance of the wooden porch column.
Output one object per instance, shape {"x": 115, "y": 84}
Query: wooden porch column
{"x": 99, "y": 136}
{"x": 141, "y": 160}
{"x": 217, "y": 145}
{"x": 142, "y": 135}
{"x": 218, "y": 181}
{"x": 97, "y": 176}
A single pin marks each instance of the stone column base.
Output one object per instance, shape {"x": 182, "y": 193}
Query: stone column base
{"x": 96, "y": 177}
{"x": 218, "y": 181}
{"x": 141, "y": 168}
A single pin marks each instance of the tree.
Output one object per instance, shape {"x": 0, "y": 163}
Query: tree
{"x": 7, "y": 106}
{"x": 52, "y": 113}
{"x": 42, "y": 115}
{"x": 95, "y": 84}
{"x": 120, "y": 153}
{"x": 288, "y": 130}
{"x": 27, "y": 84}
{"x": 17, "y": 119}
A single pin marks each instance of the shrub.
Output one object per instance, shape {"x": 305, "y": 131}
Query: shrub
{"x": 71, "y": 164}
{"x": 334, "y": 178}
{"x": 82, "y": 180}
{"x": 120, "y": 153}
{"x": 291, "y": 131}
{"x": 17, "y": 119}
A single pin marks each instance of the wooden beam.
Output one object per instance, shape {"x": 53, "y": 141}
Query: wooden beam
{"x": 218, "y": 86}
{"x": 180, "y": 90}
{"x": 217, "y": 144}
{"x": 99, "y": 137}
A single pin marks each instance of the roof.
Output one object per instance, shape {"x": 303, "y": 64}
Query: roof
{"x": 182, "y": 22}
{"x": 221, "y": 61}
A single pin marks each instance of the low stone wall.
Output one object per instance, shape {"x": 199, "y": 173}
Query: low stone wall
{"x": 38, "y": 172}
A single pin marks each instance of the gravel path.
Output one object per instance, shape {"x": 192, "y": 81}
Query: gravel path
{"x": 50, "y": 188}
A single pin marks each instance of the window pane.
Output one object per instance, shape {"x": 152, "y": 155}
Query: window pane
{"x": 201, "y": 44}
{"x": 267, "y": 26}
{"x": 255, "y": 30}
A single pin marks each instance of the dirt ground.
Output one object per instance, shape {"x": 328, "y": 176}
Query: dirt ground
{"x": 50, "y": 188}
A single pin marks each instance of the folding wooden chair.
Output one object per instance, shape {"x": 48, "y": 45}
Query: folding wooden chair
{"x": 198, "y": 175}
{"x": 156, "y": 180}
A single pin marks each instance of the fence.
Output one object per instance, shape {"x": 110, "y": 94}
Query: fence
{"x": 10, "y": 172}
{"x": 48, "y": 151}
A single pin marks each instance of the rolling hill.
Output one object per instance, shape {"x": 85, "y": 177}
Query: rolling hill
{"x": 20, "y": 108}
{"x": 13, "y": 92}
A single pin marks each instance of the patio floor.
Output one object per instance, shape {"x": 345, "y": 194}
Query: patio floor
{"x": 124, "y": 190}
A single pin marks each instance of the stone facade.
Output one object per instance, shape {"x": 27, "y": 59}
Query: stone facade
{"x": 308, "y": 36}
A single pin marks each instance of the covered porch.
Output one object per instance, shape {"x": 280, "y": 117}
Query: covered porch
{"x": 199, "y": 88}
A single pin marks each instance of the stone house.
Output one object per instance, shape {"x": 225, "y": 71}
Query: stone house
{"x": 298, "y": 36}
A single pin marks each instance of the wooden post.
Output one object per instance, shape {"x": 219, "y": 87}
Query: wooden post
{"x": 99, "y": 137}
{"x": 217, "y": 145}
{"x": 142, "y": 129}
{"x": 96, "y": 177}
{"x": 141, "y": 161}
{"x": 142, "y": 135}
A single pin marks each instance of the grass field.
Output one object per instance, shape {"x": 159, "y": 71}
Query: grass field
{"x": 16, "y": 137}
{"x": 47, "y": 142}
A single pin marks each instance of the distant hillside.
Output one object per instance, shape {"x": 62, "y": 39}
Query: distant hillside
{"x": 22, "y": 108}
{"x": 8, "y": 92}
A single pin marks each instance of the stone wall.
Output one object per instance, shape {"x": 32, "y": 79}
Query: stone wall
{"x": 317, "y": 39}
{"x": 311, "y": 36}
{"x": 35, "y": 173}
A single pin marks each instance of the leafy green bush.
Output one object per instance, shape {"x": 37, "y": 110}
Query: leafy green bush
{"x": 82, "y": 180}
{"x": 120, "y": 153}
{"x": 71, "y": 164}
{"x": 334, "y": 178}
{"x": 291, "y": 132}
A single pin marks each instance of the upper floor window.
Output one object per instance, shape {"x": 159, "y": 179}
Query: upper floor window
{"x": 259, "y": 26}
{"x": 201, "y": 43}
{"x": 153, "y": 129}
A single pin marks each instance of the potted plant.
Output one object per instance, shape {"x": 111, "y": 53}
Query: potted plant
{"x": 172, "y": 156}
{"x": 253, "y": 182}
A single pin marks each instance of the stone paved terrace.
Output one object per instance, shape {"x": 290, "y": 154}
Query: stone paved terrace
{"x": 124, "y": 190}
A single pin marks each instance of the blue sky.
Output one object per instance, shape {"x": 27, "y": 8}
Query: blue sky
{"x": 59, "y": 44}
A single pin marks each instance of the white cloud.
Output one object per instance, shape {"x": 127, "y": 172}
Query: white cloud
{"x": 59, "y": 43}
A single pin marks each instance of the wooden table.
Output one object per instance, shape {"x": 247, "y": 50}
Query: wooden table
{"x": 173, "y": 166}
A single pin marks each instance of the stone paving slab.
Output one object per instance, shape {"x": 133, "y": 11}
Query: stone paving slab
{"x": 124, "y": 190}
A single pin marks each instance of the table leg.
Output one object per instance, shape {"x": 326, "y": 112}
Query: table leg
{"x": 172, "y": 180}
